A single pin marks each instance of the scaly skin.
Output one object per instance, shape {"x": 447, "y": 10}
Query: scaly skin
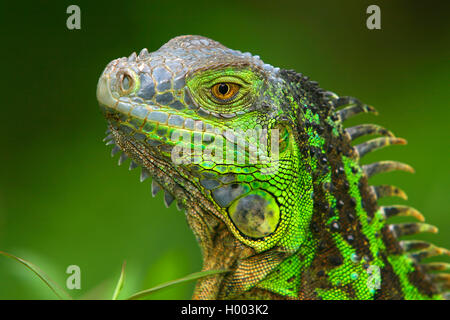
{"x": 305, "y": 225}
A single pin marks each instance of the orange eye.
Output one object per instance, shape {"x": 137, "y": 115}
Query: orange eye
{"x": 224, "y": 91}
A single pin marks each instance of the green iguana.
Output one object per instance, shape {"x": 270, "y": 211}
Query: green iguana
{"x": 272, "y": 187}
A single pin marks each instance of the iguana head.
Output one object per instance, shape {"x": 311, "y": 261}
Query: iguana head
{"x": 214, "y": 127}
{"x": 251, "y": 152}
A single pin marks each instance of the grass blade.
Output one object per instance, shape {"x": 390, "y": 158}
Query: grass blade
{"x": 41, "y": 275}
{"x": 119, "y": 285}
{"x": 191, "y": 277}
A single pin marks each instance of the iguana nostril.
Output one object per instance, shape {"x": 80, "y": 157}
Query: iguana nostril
{"x": 126, "y": 82}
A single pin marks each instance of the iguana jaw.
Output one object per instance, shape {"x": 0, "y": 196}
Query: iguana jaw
{"x": 220, "y": 249}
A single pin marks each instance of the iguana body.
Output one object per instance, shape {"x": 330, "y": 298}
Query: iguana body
{"x": 305, "y": 225}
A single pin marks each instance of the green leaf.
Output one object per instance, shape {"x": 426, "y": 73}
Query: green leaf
{"x": 57, "y": 290}
{"x": 191, "y": 277}
{"x": 119, "y": 285}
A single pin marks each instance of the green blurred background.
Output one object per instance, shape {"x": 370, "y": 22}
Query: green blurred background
{"x": 64, "y": 201}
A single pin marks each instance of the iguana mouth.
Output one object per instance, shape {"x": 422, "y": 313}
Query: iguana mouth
{"x": 151, "y": 165}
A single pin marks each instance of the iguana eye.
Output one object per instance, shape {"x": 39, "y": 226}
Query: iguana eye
{"x": 224, "y": 91}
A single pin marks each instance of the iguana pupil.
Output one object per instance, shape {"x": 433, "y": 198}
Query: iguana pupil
{"x": 300, "y": 223}
{"x": 223, "y": 88}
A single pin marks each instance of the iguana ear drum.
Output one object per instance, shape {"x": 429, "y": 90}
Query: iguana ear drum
{"x": 256, "y": 215}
